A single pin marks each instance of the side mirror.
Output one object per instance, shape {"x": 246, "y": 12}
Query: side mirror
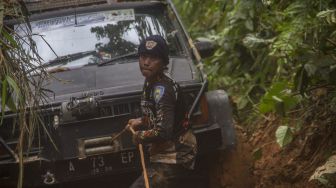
{"x": 205, "y": 47}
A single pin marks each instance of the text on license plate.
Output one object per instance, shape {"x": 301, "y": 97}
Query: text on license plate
{"x": 102, "y": 163}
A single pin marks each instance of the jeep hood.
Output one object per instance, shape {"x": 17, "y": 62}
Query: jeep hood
{"x": 109, "y": 79}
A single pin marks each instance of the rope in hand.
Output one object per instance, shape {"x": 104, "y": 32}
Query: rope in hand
{"x": 119, "y": 134}
{"x": 142, "y": 161}
{"x": 140, "y": 150}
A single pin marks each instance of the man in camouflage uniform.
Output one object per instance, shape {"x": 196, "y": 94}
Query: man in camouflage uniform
{"x": 172, "y": 148}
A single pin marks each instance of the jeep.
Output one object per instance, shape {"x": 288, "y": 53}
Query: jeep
{"x": 90, "y": 49}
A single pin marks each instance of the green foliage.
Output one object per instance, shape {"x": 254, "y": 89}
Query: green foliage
{"x": 257, "y": 154}
{"x": 8, "y": 87}
{"x": 18, "y": 92}
{"x": 271, "y": 53}
{"x": 328, "y": 15}
{"x": 283, "y": 135}
{"x": 326, "y": 174}
{"x": 278, "y": 98}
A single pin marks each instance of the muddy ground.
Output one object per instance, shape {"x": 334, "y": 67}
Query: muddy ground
{"x": 271, "y": 166}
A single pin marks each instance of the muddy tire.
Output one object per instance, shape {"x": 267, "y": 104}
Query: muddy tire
{"x": 220, "y": 112}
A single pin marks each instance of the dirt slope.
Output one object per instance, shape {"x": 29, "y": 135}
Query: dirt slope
{"x": 276, "y": 167}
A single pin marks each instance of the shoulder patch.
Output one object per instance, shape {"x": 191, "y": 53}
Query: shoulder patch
{"x": 158, "y": 93}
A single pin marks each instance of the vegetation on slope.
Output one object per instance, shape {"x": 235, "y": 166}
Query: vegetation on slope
{"x": 274, "y": 57}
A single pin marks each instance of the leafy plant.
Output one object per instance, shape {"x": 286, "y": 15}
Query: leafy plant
{"x": 284, "y": 135}
{"x": 326, "y": 174}
{"x": 278, "y": 99}
{"x": 20, "y": 93}
{"x": 272, "y": 55}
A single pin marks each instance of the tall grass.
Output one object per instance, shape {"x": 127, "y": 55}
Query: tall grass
{"x": 21, "y": 90}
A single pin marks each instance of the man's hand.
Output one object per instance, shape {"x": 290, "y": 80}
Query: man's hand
{"x": 134, "y": 123}
{"x": 136, "y": 137}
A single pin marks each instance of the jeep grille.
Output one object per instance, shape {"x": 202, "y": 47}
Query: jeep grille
{"x": 120, "y": 109}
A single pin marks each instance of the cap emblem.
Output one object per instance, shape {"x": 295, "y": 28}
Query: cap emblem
{"x": 150, "y": 44}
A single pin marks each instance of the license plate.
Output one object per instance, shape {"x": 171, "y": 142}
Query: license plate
{"x": 99, "y": 164}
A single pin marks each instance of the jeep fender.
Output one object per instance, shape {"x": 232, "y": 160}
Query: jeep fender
{"x": 220, "y": 113}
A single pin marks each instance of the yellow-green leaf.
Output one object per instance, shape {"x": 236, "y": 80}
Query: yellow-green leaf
{"x": 283, "y": 135}
{"x": 14, "y": 85}
{"x": 10, "y": 39}
{"x": 3, "y": 99}
{"x": 257, "y": 154}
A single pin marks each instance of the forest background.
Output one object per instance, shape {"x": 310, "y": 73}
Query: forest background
{"x": 277, "y": 61}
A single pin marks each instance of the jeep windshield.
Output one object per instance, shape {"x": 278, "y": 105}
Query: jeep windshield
{"x": 93, "y": 38}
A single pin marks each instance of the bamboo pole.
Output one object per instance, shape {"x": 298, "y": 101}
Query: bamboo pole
{"x": 142, "y": 161}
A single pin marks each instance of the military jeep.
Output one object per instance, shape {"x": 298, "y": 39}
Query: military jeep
{"x": 90, "y": 48}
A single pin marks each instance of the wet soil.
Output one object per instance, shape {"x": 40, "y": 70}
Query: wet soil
{"x": 258, "y": 161}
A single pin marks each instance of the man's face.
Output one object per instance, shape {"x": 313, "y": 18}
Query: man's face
{"x": 150, "y": 66}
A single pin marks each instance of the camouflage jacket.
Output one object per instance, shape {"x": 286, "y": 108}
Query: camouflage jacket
{"x": 163, "y": 116}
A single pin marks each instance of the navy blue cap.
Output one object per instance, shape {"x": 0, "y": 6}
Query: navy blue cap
{"x": 155, "y": 45}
